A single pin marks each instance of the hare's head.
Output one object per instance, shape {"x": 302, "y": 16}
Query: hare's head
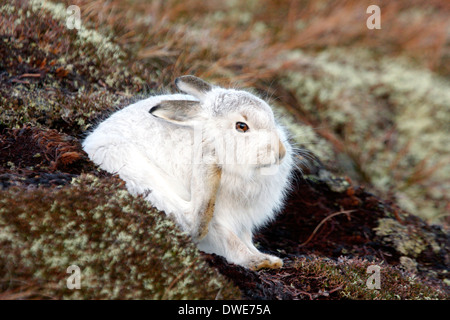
{"x": 237, "y": 125}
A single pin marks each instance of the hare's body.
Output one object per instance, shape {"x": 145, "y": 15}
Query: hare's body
{"x": 124, "y": 142}
{"x": 173, "y": 149}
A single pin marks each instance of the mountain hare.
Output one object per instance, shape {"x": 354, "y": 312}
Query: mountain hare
{"x": 214, "y": 159}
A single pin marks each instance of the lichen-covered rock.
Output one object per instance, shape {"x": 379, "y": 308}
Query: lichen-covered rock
{"x": 386, "y": 118}
{"x": 408, "y": 240}
{"x": 124, "y": 248}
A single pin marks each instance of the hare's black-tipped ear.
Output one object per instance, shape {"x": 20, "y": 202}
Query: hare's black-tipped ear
{"x": 183, "y": 112}
{"x": 193, "y": 86}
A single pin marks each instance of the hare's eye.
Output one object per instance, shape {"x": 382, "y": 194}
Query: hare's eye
{"x": 241, "y": 126}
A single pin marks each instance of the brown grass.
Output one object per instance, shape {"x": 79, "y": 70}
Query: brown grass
{"x": 179, "y": 37}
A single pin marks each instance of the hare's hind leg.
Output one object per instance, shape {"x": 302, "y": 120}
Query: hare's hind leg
{"x": 205, "y": 205}
{"x": 247, "y": 238}
{"x": 224, "y": 242}
{"x": 193, "y": 209}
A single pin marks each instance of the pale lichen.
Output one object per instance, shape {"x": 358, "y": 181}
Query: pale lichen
{"x": 365, "y": 100}
{"x": 408, "y": 240}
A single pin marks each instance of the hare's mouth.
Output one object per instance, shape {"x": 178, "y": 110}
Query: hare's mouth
{"x": 268, "y": 165}
{"x": 269, "y": 170}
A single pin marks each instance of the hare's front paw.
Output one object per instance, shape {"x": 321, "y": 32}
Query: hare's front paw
{"x": 265, "y": 261}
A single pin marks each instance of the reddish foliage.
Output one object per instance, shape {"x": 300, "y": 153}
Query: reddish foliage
{"x": 32, "y": 146}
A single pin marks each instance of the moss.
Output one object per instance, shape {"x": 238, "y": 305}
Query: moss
{"x": 64, "y": 82}
{"x": 138, "y": 254}
{"x": 347, "y": 277}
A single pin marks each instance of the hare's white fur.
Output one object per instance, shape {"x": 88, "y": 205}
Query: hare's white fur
{"x": 154, "y": 146}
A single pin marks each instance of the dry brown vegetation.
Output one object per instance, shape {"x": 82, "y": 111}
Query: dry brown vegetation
{"x": 239, "y": 41}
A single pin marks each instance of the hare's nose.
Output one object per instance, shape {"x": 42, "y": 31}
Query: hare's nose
{"x": 281, "y": 151}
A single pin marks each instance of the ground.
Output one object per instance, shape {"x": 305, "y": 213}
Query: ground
{"x": 369, "y": 111}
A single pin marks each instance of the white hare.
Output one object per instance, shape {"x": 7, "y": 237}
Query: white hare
{"x": 214, "y": 159}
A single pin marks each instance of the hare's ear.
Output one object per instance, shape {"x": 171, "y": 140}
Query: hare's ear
{"x": 193, "y": 86}
{"x": 183, "y": 112}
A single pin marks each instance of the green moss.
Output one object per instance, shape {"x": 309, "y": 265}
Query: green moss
{"x": 137, "y": 254}
{"x": 349, "y": 277}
